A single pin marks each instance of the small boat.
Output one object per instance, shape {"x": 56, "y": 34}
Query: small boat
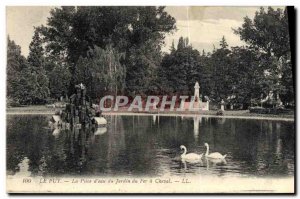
{"x": 99, "y": 121}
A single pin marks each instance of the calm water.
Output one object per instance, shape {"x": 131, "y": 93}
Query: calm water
{"x": 149, "y": 146}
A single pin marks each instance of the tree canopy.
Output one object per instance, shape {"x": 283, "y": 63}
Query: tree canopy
{"x": 117, "y": 50}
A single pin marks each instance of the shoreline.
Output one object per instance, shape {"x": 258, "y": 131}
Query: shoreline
{"x": 230, "y": 114}
{"x": 202, "y": 115}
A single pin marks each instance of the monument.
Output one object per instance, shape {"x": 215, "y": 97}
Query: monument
{"x": 198, "y": 103}
{"x": 222, "y": 105}
{"x": 197, "y": 92}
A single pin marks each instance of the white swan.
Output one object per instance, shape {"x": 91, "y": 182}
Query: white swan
{"x": 190, "y": 157}
{"x": 215, "y": 155}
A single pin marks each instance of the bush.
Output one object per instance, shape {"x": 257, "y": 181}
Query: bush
{"x": 10, "y": 102}
{"x": 258, "y": 109}
{"x": 279, "y": 110}
{"x": 213, "y": 106}
{"x": 220, "y": 112}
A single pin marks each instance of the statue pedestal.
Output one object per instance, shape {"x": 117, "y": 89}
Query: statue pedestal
{"x": 196, "y": 106}
{"x": 205, "y": 106}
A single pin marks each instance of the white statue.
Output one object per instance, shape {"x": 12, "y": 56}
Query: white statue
{"x": 197, "y": 91}
{"x": 222, "y": 105}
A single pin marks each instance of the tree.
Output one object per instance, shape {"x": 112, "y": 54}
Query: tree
{"x": 172, "y": 49}
{"x": 268, "y": 33}
{"x": 16, "y": 62}
{"x": 221, "y": 67}
{"x": 223, "y": 43}
{"x": 71, "y": 32}
{"x": 25, "y": 88}
{"x": 36, "y": 52}
{"x": 142, "y": 64}
{"x": 181, "y": 44}
{"x": 287, "y": 80}
{"x": 180, "y": 69}
{"x": 22, "y": 81}
{"x": 247, "y": 76}
{"x": 36, "y": 62}
{"x": 101, "y": 71}
{"x": 206, "y": 71}
{"x": 59, "y": 79}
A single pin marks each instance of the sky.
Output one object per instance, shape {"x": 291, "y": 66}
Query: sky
{"x": 204, "y": 26}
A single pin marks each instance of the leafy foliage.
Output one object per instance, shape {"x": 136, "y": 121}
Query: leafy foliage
{"x": 101, "y": 71}
{"x": 117, "y": 50}
{"x": 268, "y": 33}
{"x": 59, "y": 80}
{"x": 71, "y": 32}
{"x": 15, "y": 64}
{"x": 36, "y": 69}
{"x": 180, "y": 69}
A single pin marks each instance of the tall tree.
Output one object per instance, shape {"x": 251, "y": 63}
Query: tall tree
{"x": 36, "y": 64}
{"x": 268, "y": 32}
{"x": 206, "y": 71}
{"x": 221, "y": 63}
{"x": 16, "y": 62}
{"x": 59, "y": 80}
{"x": 101, "y": 71}
{"x": 71, "y": 32}
{"x": 180, "y": 69}
{"x": 36, "y": 52}
{"x": 247, "y": 76}
{"x": 22, "y": 81}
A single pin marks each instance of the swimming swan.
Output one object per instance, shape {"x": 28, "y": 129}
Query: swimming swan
{"x": 190, "y": 156}
{"x": 215, "y": 155}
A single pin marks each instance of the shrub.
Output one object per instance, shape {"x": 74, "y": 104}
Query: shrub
{"x": 220, "y": 112}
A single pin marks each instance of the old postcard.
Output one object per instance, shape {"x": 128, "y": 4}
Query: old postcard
{"x": 146, "y": 99}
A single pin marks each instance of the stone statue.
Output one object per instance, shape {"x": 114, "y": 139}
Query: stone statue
{"x": 222, "y": 105}
{"x": 197, "y": 91}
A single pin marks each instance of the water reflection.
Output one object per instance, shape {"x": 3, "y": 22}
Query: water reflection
{"x": 154, "y": 119}
{"x": 149, "y": 145}
{"x": 100, "y": 131}
{"x": 215, "y": 162}
{"x": 56, "y": 132}
{"x": 23, "y": 168}
{"x": 197, "y": 120}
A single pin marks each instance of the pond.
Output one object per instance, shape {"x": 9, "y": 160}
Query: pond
{"x": 150, "y": 146}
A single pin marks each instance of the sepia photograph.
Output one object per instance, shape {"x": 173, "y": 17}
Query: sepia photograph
{"x": 150, "y": 99}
